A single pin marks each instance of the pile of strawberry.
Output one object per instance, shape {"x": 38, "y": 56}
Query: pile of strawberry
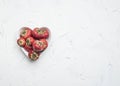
{"x": 33, "y": 41}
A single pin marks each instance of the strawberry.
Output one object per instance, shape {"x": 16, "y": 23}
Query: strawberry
{"x": 40, "y": 33}
{"x": 35, "y": 33}
{"x": 21, "y": 42}
{"x": 25, "y": 32}
{"x": 45, "y": 43}
{"x": 29, "y": 41}
{"x": 40, "y": 45}
{"x": 44, "y": 32}
{"x": 28, "y": 48}
{"x": 36, "y": 46}
{"x": 33, "y": 55}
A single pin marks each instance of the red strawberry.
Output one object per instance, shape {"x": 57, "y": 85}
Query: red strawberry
{"x": 36, "y": 46}
{"x": 45, "y": 43}
{"x": 40, "y": 33}
{"x": 29, "y": 41}
{"x": 44, "y": 32}
{"x": 33, "y": 55}
{"x": 21, "y": 42}
{"x": 28, "y": 48}
{"x": 35, "y": 33}
{"x": 25, "y": 32}
{"x": 40, "y": 45}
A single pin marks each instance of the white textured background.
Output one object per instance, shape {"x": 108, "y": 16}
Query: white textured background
{"x": 84, "y": 49}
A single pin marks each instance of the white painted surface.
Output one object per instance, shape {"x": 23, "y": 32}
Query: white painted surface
{"x": 84, "y": 49}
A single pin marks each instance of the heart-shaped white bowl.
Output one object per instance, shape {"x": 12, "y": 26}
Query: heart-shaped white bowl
{"x": 23, "y": 50}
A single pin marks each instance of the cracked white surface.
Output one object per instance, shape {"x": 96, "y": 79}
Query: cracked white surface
{"x": 84, "y": 49}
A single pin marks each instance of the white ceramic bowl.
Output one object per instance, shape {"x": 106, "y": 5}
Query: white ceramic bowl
{"x": 23, "y": 50}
